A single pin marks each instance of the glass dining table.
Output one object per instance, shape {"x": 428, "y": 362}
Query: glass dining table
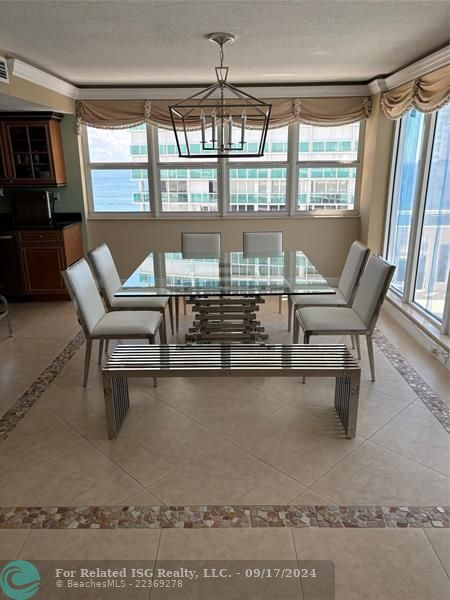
{"x": 225, "y": 290}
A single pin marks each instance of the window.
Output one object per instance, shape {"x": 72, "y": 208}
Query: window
{"x": 138, "y": 170}
{"x": 418, "y": 230}
{"x": 323, "y": 183}
{"x": 119, "y": 172}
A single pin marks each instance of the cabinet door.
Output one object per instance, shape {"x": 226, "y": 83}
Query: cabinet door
{"x": 30, "y": 152}
{"x": 5, "y": 175}
{"x": 42, "y": 267}
{"x": 11, "y": 281}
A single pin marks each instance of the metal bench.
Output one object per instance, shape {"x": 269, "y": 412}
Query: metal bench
{"x": 227, "y": 360}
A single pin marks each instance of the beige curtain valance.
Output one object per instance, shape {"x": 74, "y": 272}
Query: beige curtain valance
{"x": 117, "y": 114}
{"x": 426, "y": 94}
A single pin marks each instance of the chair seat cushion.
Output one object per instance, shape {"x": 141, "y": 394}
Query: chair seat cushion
{"x": 127, "y": 323}
{"x": 336, "y": 299}
{"x": 329, "y": 318}
{"x": 142, "y": 303}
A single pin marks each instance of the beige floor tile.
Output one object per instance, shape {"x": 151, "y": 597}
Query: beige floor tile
{"x": 440, "y": 540}
{"x": 227, "y": 475}
{"x": 226, "y": 544}
{"x": 309, "y": 496}
{"x": 142, "y": 498}
{"x": 374, "y": 475}
{"x": 225, "y": 407}
{"x": 300, "y": 445}
{"x": 156, "y": 440}
{"x": 82, "y": 476}
{"x": 375, "y": 410}
{"x": 11, "y": 542}
{"x": 377, "y": 564}
{"x": 37, "y": 437}
{"x": 91, "y": 544}
{"x": 417, "y": 434}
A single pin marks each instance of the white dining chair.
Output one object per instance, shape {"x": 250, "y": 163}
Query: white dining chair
{"x": 360, "y": 318}
{"x": 96, "y": 322}
{"x": 4, "y": 314}
{"x": 263, "y": 243}
{"x": 346, "y": 289}
{"x": 198, "y": 245}
{"x": 109, "y": 282}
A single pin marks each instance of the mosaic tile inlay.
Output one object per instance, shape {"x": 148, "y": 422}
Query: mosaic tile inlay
{"x": 20, "y": 408}
{"x": 213, "y": 517}
{"x": 434, "y": 404}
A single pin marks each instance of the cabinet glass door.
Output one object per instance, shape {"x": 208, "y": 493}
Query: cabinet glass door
{"x": 30, "y": 151}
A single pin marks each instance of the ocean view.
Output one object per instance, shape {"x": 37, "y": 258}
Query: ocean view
{"x": 113, "y": 191}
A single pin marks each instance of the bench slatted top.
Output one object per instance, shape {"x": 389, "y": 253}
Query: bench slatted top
{"x": 228, "y": 359}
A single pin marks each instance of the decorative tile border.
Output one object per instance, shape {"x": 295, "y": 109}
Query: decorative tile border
{"x": 223, "y": 517}
{"x": 20, "y": 408}
{"x": 434, "y": 404}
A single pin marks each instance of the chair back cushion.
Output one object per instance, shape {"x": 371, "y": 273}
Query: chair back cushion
{"x": 263, "y": 242}
{"x": 85, "y": 293}
{"x": 106, "y": 272}
{"x": 201, "y": 245}
{"x": 354, "y": 266}
{"x": 372, "y": 289}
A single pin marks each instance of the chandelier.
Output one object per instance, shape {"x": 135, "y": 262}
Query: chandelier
{"x": 223, "y": 114}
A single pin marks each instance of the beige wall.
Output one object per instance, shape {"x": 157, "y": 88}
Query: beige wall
{"x": 325, "y": 240}
{"x": 375, "y": 176}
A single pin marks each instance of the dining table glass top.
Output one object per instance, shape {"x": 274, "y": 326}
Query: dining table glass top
{"x": 227, "y": 274}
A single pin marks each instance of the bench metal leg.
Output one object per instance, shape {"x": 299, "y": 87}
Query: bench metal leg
{"x": 117, "y": 403}
{"x": 305, "y": 341}
{"x": 177, "y": 313}
{"x": 346, "y": 402}
{"x": 358, "y": 347}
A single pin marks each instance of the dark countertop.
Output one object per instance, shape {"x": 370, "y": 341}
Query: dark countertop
{"x": 59, "y": 221}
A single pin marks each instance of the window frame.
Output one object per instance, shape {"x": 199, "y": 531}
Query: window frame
{"x": 418, "y": 212}
{"x": 153, "y": 165}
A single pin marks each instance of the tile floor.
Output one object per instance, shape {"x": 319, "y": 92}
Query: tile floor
{"x": 255, "y": 441}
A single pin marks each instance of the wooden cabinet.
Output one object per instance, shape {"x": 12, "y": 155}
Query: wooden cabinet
{"x": 44, "y": 254}
{"x": 31, "y": 149}
{"x": 11, "y": 279}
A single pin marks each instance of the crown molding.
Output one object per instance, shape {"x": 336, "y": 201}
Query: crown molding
{"x": 430, "y": 63}
{"x": 23, "y": 70}
{"x": 175, "y": 93}
{"x": 434, "y": 61}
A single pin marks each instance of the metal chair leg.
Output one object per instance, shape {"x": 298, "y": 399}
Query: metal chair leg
{"x": 289, "y": 313}
{"x": 177, "y": 313}
{"x": 306, "y": 337}
{"x": 296, "y": 332}
{"x": 371, "y": 357}
{"x": 358, "y": 347}
{"x": 162, "y": 329}
{"x": 280, "y": 304}
{"x": 106, "y": 346}
{"x": 184, "y": 304}
{"x": 151, "y": 340}
{"x": 171, "y": 314}
{"x": 100, "y": 350}
{"x": 87, "y": 360}
{"x": 352, "y": 337}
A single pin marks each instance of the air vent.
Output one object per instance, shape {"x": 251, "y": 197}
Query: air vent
{"x": 3, "y": 70}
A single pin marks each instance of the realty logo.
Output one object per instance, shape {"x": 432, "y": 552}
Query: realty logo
{"x": 19, "y": 580}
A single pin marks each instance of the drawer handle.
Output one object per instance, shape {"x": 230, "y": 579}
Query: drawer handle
{"x": 6, "y": 237}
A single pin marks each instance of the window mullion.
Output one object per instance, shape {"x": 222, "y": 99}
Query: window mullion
{"x": 292, "y": 171}
{"x": 418, "y": 210}
{"x": 154, "y": 180}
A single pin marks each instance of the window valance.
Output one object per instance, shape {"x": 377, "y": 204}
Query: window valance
{"x": 427, "y": 94}
{"x": 119, "y": 114}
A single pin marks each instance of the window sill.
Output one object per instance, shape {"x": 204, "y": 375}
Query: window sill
{"x": 424, "y": 323}
{"x": 215, "y": 216}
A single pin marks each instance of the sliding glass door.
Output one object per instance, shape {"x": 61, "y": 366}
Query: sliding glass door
{"x": 418, "y": 228}
{"x": 434, "y": 251}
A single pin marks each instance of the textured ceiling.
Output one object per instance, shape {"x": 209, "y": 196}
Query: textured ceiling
{"x": 139, "y": 42}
